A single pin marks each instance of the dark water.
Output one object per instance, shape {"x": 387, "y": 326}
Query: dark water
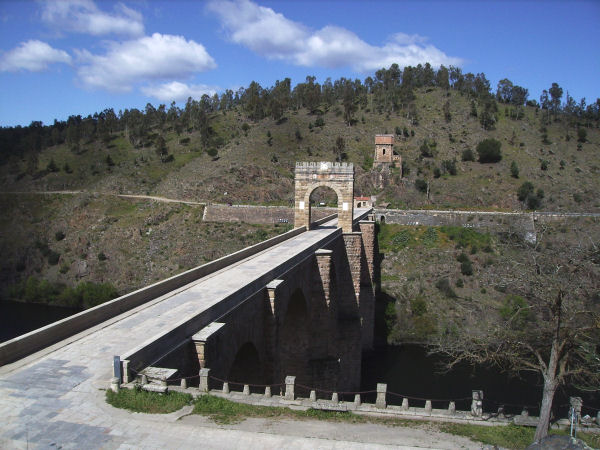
{"x": 408, "y": 371}
{"x": 20, "y": 318}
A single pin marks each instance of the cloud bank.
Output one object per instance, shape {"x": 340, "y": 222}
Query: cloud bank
{"x": 273, "y": 36}
{"x": 83, "y": 16}
{"x": 32, "y": 55}
{"x": 149, "y": 58}
{"x": 177, "y": 91}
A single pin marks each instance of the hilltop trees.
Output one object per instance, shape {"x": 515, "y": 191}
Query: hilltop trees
{"x": 388, "y": 90}
{"x": 489, "y": 151}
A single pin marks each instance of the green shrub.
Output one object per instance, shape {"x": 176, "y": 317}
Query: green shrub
{"x": 444, "y": 287}
{"x": 514, "y": 169}
{"x": 430, "y": 237}
{"x": 462, "y": 257}
{"x": 524, "y": 190}
{"x": 52, "y": 167}
{"x": 581, "y": 135}
{"x": 449, "y": 166}
{"x": 102, "y": 256}
{"x": 468, "y": 155}
{"x": 401, "y": 239}
{"x": 466, "y": 268}
{"x": 421, "y": 185}
{"x": 489, "y": 151}
{"x": 460, "y": 283}
{"x": 418, "y": 306}
{"x": 544, "y": 165}
{"x": 53, "y": 257}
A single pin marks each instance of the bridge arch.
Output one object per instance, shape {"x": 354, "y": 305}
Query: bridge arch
{"x": 246, "y": 367}
{"x": 294, "y": 338}
{"x": 337, "y": 176}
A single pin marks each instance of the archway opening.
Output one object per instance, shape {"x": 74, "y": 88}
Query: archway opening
{"x": 294, "y": 340}
{"x": 246, "y": 367}
{"x": 323, "y": 202}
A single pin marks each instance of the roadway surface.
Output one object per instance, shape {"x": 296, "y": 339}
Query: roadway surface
{"x": 56, "y": 396}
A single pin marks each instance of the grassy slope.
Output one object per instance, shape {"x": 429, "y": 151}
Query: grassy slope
{"x": 251, "y": 170}
{"x": 414, "y": 263}
{"x": 142, "y": 241}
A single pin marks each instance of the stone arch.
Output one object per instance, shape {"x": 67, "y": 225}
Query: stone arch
{"x": 246, "y": 367}
{"x": 294, "y": 338}
{"x": 337, "y": 176}
{"x": 382, "y": 219}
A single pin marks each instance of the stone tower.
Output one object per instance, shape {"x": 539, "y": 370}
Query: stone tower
{"x": 384, "y": 152}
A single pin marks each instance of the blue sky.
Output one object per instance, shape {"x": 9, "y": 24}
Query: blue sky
{"x": 59, "y": 58}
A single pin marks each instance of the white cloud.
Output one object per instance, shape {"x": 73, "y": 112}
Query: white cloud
{"x": 83, "y": 16}
{"x": 273, "y": 36}
{"x": 149, "y": 58}
{"x": 177, "y": 91}
{"x": 32, "y": 55}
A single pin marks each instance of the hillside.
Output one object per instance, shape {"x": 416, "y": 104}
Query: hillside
{"x": 242, "y": 149}
{"x": 256, "y": 165}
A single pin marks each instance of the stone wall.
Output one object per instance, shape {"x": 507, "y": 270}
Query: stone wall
{"x": 337, "y": 176}
{"x": 522, "y": 223}
{"x": 264, "y": 215}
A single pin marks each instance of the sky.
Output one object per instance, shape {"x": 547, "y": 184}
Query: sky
{"x": 77, "y": 57}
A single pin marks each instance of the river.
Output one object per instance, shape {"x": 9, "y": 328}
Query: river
{"x": 20, "y": 318}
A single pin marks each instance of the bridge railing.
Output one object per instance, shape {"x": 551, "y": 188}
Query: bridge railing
{"x": 33, "y": 341}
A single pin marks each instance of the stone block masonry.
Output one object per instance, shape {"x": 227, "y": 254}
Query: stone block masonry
{"x": 337, "y": 176}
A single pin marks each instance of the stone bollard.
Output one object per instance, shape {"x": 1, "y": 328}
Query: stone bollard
{"x": 501, "y": 412}
{"x": 452, "y": 407}
{"x": 334, "y": 398}
{"x": 204, "y": 379}
{"x": 226, "y": 388}
{"x": 380, "y": 401}
{"x": 268, "y": 391}
{"x": 246, "y": 390}
{"x": 525, "y": 412}
{"x": 313, "y": 396}
{"x": 477, "y": 404}
{"x": 576, "y": 403}
{"x": 404, "y": 404}
{"x": 125, "y": 364}
{"x": 144, "y": 380}
{"x": 184, "y": 383}
{"x": 428, "y": 406}
{"x": 115, "y": 386}
{"x": 290, "y": 381}
{"x": 357, "y": 401}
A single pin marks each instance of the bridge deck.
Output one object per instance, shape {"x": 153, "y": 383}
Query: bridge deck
{"x": 55, "y": 394}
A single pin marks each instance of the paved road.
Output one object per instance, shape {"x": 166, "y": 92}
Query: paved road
{"x": 56, "y": 397}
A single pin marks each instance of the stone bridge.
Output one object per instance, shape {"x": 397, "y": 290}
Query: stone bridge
{"x": 300, "y": 304}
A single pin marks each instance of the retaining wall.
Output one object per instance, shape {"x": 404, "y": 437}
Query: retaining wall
{"x": 265, "y": 215}
{"x": 523, "y": 223}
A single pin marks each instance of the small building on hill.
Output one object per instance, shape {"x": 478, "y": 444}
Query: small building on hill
{"x": 363, "y": 202}
{"x": 384, "y": 151}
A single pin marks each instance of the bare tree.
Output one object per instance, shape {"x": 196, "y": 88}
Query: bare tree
{"x": 549, "y": 325}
